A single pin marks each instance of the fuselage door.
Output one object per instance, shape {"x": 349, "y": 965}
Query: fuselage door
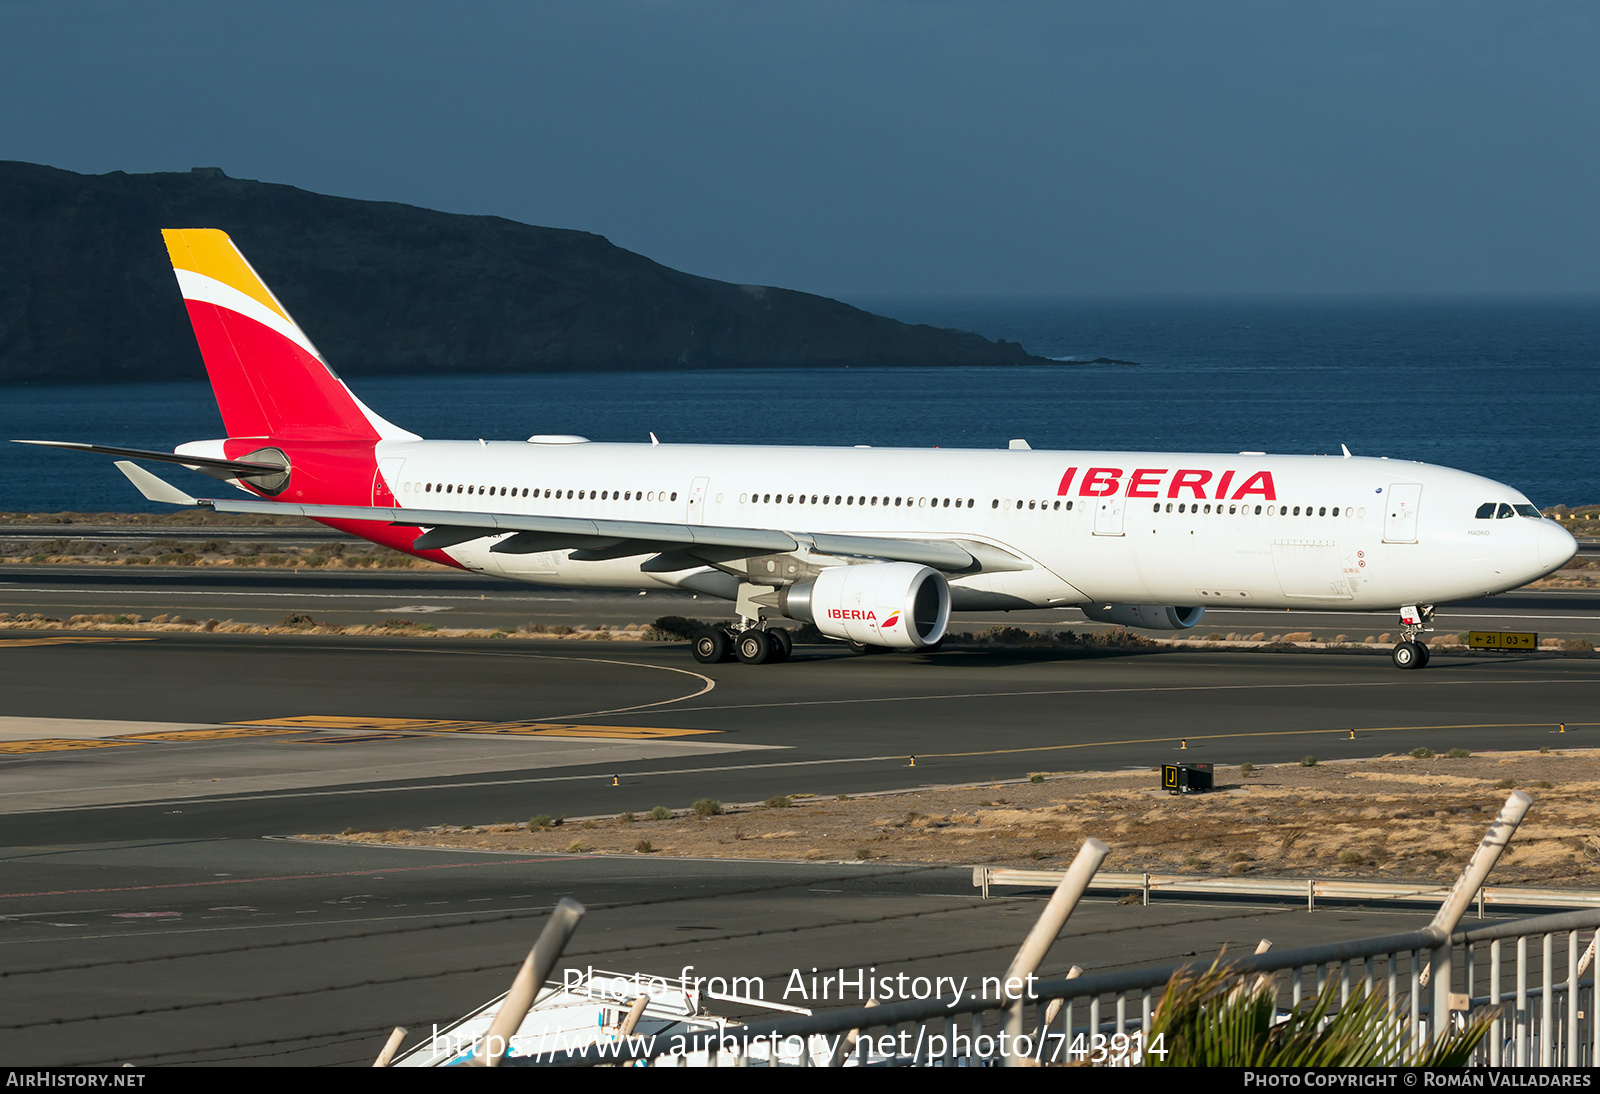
{"x": 697, "y": 501}
{"x": 386, "y": 480}
{"x": 1400, "y": 514}
{"x": 1108, "y": 515}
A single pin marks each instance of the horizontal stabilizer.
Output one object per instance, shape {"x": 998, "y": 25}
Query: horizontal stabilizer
{"x": 152, "y": 488}
{"x": 233, "y": 467}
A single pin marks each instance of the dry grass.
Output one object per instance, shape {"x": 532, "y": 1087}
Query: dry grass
{"x": 1394, "y": 817}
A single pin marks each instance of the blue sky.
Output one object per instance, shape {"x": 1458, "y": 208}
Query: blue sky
{"x": 863, "y": 149}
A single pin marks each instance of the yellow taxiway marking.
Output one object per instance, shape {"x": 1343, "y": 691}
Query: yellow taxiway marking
{"x": 429, "y": 725}
{"x": 1231, "y": 736}
{"x": 62, "y": 640}
{"x": 220, "y": 733}
{"x": 57, "y": 744}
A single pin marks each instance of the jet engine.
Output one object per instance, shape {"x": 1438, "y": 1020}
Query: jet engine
{"x": 1151, "y": 617}
{"x": 896, "y": 604}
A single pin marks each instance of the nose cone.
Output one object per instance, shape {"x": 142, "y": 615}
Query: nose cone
{"x": 1556, "y": 546}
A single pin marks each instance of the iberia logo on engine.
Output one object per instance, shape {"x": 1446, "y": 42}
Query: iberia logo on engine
{"x": 851, "y": 613}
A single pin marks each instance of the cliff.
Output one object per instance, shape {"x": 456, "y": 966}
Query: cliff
{"x": 87, "y": 295}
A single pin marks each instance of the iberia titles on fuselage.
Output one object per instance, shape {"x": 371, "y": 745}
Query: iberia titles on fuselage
{"x": 874, "y": 546}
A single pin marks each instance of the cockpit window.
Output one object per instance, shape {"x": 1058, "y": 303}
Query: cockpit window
{"x": 1485, "y": 511}
{"x": 1504, "y": 511}
{"x": 1528, "y": 511}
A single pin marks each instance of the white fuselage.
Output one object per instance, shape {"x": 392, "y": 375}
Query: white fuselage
{"x": 1113, "y": 527}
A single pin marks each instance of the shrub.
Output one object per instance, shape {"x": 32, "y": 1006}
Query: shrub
{"x": 1352, "y": 858}
{"x": 1459, "y": 753}
{"x": 660, "y": 812}
{"x": 626, "y": 818}
{"x": 1308, "y": 761}
{"x": 1222, "y": 1018}
{"x": 643, "y": 847}
{"x": 544, "y": 821}
{"x": 1543, "y": 784}
{"x": 1506, "y": 784}
{"x": 672, "y": 628}
{"x": 577, "y": 847}
{"x": 863, "y": 854}
{"x": 706, "y": 807}
{"x": 1036, "y": 778}
{"x": 781, "y": 801}
{"x": 1247, "y": 769}
{"x": 1422, "y": 753}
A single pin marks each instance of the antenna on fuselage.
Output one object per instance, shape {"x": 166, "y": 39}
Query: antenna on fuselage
{"x": 653, "y": 440}
{"x": 1345, "y": 450}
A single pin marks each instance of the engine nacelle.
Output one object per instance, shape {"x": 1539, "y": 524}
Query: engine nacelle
{"x": 896, "y": 604}
{"x": 1151, "y": 617}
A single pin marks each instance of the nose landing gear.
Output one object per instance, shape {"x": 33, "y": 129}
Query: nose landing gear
{"x": 1411, "y": 652}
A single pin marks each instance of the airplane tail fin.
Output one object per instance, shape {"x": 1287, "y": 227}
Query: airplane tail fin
{"x": 269, "y": 380}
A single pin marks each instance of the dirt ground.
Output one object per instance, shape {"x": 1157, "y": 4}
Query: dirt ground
{"x": 1396, "y": 817}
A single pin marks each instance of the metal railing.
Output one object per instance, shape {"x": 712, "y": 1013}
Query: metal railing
{"x": 1309, "y": 889}
{"x": 1547, "y": 1019}
{"x": 1543, "y": 1008}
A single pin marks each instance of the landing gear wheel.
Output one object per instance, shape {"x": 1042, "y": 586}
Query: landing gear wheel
{"x": 753, "y": 647}
{"x": 1406, "y": 655}
{"x": 857, "y": 648}
{"x": 711, "y": 645}
{"x": 934, "y": 648}
{"x": 782, "y": 644}
{"x": 1423, "y": 655}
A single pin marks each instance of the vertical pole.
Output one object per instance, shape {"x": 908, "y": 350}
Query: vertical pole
{"x": 564, "y": 919}
{"x": 1522, "y": 1001}
{"x": 390, "y": 1047}
{"x": 1448, "y": 917}
{"x": 1043, "y": 935}
{"x": 1572, "y": 999}
{"x": 1547, "y": 1001}
{"x": 1497, "y": 1035}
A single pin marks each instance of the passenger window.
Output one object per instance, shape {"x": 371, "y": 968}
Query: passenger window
{"x": 1258, "y": 510}
{"x": 674, "y": 496}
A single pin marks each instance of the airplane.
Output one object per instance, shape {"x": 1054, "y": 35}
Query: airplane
{"x": 874, "y": 546}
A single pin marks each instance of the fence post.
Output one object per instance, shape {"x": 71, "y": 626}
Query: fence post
{"x": 1044, "y": 932}
{"x": 390, "y": 1047}
{"x": 564, "y": 919}
{"x": 1455, "y": 905}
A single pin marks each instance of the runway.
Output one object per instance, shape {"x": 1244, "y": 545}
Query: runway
{"x": 150, "y": 780}
{"x": 338, "y": 732}
{"x": 353, "y": 597}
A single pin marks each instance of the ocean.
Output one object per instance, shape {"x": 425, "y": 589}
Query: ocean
{"x": 1506, "y": 389}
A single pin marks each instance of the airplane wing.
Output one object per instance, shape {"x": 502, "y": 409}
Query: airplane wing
{"x": 675, "y": 546}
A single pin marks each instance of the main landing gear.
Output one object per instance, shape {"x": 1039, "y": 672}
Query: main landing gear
{"x": 1411, "y": 652}
{"x": 751, "y": 644}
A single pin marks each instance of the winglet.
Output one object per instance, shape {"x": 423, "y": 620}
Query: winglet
{"x": 153, "y": 488}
